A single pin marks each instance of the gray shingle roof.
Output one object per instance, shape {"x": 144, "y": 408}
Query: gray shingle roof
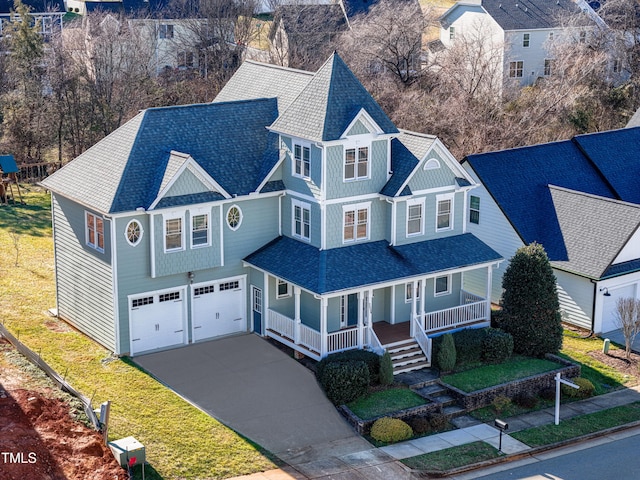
{"x": 328, "y": 104}
{"x": 261, "y": 80}
{"x": 594, "y": 230}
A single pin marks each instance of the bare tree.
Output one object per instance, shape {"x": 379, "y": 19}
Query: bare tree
{"x": 627, "y": 318}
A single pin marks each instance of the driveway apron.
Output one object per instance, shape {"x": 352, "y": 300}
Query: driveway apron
{"x": 257, "y": 390}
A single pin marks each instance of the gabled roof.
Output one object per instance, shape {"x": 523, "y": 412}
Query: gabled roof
{"x": 262, "y": 80}
{"x": 527, "y": 14}
{"x": 406, "y": 152}
{"x": 327, "y": 105}
{"x": 594, "y": 230}
{"x": 125, "y": 170}
{"x": 603, "y": 164}
{"x": 349, "y": 267}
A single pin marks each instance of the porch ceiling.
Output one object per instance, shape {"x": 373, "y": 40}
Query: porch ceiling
{"x": 359, "y": 265}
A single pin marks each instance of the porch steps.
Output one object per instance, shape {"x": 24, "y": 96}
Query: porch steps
{"x": 438, "y": 393}
{"x": 406, "y": 356}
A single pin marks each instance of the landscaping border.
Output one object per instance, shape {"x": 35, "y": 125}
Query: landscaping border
{"x": 533, "y": 384}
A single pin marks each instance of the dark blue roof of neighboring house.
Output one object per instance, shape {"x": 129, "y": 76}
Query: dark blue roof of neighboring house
{"x": 343, "y": 268}
{"x": 138, "y": 8}
{"x": 8, "y": 164}
{"x": 37, "y": 6}
{"x": 531, "y": 14}
{"x": 518, "y": 181}
{"x": 229, "y": 140}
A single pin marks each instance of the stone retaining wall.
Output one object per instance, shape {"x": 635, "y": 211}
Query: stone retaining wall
{"x": 533, "y": 385}
{"x": 364, "y": 426}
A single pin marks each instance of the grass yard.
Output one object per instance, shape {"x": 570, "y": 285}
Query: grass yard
{"x": 383, "y": 402}
{"x": 455, "y": 457}
{"x": 489, "y": 375}
{"x": 180, "y": 440}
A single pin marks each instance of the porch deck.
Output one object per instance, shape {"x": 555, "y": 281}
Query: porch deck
{"x": 389, "y": 333}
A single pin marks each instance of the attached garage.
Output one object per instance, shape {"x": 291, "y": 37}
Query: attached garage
{"x": 157, "y": 320}
{"x": 218, "y": 308}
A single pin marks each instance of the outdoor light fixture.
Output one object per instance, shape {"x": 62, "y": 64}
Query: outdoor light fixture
{"x": 191, "y": 276}
{"x": 502, "y": 426}
{"x": 606, "y": 292}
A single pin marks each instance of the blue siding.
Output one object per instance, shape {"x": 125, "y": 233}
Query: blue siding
{"x": 311, "y": 186}
{"x": 186, "y": 184}
{"x": 378, "y": 223}
{"x": 315, "y": 219}
{"x": 432, "y": 178}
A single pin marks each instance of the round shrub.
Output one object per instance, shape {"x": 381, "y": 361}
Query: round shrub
{"x": 447, "y": 353}
{"x": 438, "y": 421}
{"x": 501, "y": 403}
{"x": 370, "y": 358}
{"x": 497, "y": 346}
{"x": 585, "y": 391}
{"x": 386, "y": 369}
{"x": 525, "y": 400}
{"x": 344, "y": 382}
{"x": 390, "y": 430}
{"x": 419, "y": 424}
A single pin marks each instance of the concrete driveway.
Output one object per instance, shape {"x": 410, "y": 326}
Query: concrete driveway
{"x": 259, "y": 391}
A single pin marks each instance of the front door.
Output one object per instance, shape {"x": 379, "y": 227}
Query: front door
{"x": 352, "y": 309}
{"x": 256, "y": 302}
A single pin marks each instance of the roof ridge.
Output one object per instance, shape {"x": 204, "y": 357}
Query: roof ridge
{"x": 280, "y": 67}
{"x": 593, "y": 196}
{"x": 417, "y": 134}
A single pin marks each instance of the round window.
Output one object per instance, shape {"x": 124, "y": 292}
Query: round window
{"x": 234, "y": 217}
{"x": 133, "y": 232}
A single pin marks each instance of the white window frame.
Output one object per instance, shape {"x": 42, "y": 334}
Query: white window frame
{"x": 356, "y": 208}
{"x": 548, "y": 67}
{"x": 165, "y": 220}
{"x": 356, "y": 162}
{"x": 297, "y": 204}
{"x": 287, "y": 292}
{"x": 241, "y": 216}
{"x": 207, "y": 229}
{"x": 98, "y": 234}
{"x": 526, "y": 40}
{"x": 435, "y": 286}
{"x": 408, "y": 289}
{"x": 301, "y": 161}
{"x": 443, "y": 198}
{"x": 413, "y": 203}
{"x": 165, "y": 31}
{"x": 126, "y": 232}
{"x": 516, "y": 69}
{"x": 452, "y": 33}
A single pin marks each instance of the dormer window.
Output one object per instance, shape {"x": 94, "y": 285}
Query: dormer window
{"x": 356, "y": 163}
{"x": 301, "y": 162}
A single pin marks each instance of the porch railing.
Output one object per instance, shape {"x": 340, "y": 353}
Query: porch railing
{"x": 372, "y": 340}
{"x": 282, "y": 325}
{"x": 342, "y": 340}
{"x": 422, "y": 339}
{"x": 468, "y": 297}
{"x": 310, "y": 338}
{"x": 455, "y": 317}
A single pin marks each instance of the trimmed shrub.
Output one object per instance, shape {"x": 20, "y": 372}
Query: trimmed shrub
{"x": 419, "y": 424}
{"x": 469, "y": 344}
{"x": 447, "y": 353}
{"x": 531, "y": 311}
{"x": 370, "y": 358}
{"x": 497, "y": 346}
{"x": 438, "y": 421}
{"x": 585, "y": 391}
{"x": 390, "y": 430}
{"x": 525, "y": 400}
{"x": 346, "y": 381}
{"x": 501, "y": 403}
{"x": 386, "y": 369}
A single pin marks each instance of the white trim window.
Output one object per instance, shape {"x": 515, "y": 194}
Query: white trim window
{"x": 282, "y": 289}
{"x": 526, "y": 40}
{"x": 474, "y": 209}
{"x": 173, "y": 234}
{"x": 165, "y": 31}
{"x": 408, "y": 291}
{"x": 356, "y": 222}
{"x": 301, "y": 160}
{"x": 516, "y": 69}
{"x": 200, "y": 230}
{"x": 234, "y": 217}
{"x": 94, "y": 231}
{"x": 444, "y": 212}
{"x": 415, "y": 217}
{"x": 442, "y": 286}
{"x": 356, "y": 163}
{"x": 301, "y": 220}
{"x": 133, "y": 232}
{"x": 548, "y": 66}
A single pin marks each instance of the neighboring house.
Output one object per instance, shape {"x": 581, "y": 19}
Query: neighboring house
{"x": 48, "y": 14}
{"x": 578, "y": 198}
{"x": 518, "y": 34}
{"x": 303, "y": 35}
{"x": 291, "y": 207}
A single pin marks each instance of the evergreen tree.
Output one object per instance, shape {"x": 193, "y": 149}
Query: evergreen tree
{"x": 531, "y": 311}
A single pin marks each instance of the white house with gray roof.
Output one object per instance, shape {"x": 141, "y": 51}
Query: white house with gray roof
{"x": 518, "y": 34}
{"x": 291, "y": 207}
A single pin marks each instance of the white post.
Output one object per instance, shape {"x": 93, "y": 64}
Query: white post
{"x": 361, "y": 304}
{"x": 323, "y": 326}
{"x": 296, "y": 297}
{"x": 265, "y": 301}
{"x": 558, "y": 382}
{"x": 423, "y": 300}
{"x": 414, "y": 307}
{"x": 488, "y": 297}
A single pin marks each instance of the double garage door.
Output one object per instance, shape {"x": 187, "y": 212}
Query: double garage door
{"x": 159, "y": 320}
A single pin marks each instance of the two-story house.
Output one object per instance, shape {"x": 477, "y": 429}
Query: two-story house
{"x": 579, "y": 199}
{"x": 291, "y": 207}
{"x": 517, "y": 34}
{"x": 46, "y": 14}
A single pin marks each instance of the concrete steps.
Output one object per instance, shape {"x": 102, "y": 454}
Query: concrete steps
{"x": 407, "y": 356}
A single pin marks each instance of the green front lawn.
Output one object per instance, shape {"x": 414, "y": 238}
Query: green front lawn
{"x": 454, "y": 457}
{"x": 490, "y": 375}
{"x": 381, "y": 403}
{"x": 180, "y": 440}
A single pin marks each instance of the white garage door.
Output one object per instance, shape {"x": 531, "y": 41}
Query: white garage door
{"x": 609, "y": 308}
{"x": 156, "y": 320}
{"x": 218, "y": 308}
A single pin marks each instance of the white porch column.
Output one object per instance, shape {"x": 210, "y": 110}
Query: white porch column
{"x": 414, "y": 306}
{"x": 324, "y": 302}
{"x": 265, "y": 300}
{"x": 423, "y": 299}
{"x": 361, "y": 319}
{"x": 489, "y": 280}
{"x": 296, "y": 298}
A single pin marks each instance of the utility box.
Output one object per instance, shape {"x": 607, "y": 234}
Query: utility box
{"x": 127, "y": 448}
